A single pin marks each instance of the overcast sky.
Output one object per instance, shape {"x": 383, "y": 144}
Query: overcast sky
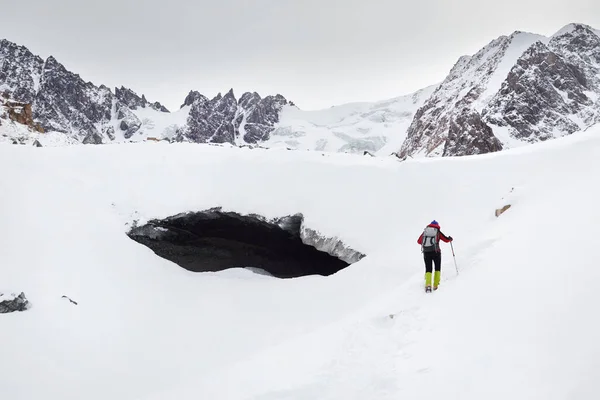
{"x": 317, "y": 53}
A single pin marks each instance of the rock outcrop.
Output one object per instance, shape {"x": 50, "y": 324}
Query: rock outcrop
{"x": 11, "y": 303}
{"x": 131, "y": 99}
{"x": 21, "y": 113}
{"x": 224, "y": 119}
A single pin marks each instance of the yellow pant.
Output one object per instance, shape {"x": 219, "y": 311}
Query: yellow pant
{"x": 436, "y": 278}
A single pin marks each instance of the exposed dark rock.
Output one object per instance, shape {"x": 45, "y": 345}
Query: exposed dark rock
{"x": 65, "y": 102}
{"x": 220, "y": 120}
{"x": 22, "y": 114}
{"x": 20, "y": 71}
{"x": 131, "y": 99}
{"x": 431, "y": 126}
{"x": 468, "y": 135}
{"x": 212, "y": 121}
{"x": 109, "y": 131}
{"x": 12, "y": 303}
{"x": 500, "y": 211}
{"x": 159, "y": 107}
{"x": 215, "y": 240}
{"x": 539, "y": 95}
{"x": 37, "y": 144}
{"x": 261, "y": 116}
{"x": 193, "y": 97}
{"x": 249, "y": 100}
{"x": 130, "y": 124}
{"x": 92, "y": 138}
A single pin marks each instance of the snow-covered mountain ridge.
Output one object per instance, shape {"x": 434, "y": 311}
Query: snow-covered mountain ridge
{"x": 62, "y": 102}
{"x": 83, "y": 112}
{"x": 517, "y": 90}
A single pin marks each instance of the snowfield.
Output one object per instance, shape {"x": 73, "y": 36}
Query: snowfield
{"x": 379, "y": 128}
{"x": 518, "y": 322}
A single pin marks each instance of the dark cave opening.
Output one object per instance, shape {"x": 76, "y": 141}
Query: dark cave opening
{"x": 215, "y": 240}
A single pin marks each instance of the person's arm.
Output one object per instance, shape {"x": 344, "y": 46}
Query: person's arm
{"x": 445, "y": 238}
{"x": 420, "y": 240}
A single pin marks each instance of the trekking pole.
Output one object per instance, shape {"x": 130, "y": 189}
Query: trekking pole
{"x": 455, "y": 266}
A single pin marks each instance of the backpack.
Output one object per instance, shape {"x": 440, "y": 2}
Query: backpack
{"x": 430, "y": 240}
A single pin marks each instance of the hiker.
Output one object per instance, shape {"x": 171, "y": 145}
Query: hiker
{"x": 432, "y": 254}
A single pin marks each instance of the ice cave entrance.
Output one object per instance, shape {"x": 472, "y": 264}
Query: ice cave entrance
{"x": 215, "y": 240}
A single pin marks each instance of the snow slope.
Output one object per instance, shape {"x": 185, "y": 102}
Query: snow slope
{"x": 516, "y": 323}
{"x": 13, "y": 132}
{"x": 154, "y": 124}
{"x": 350, "y": 128}
{"x": 516, "y": 45}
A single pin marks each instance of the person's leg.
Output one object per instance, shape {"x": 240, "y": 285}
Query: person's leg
{"x": 428, "y": 267}
{"x": 438, "y": 270}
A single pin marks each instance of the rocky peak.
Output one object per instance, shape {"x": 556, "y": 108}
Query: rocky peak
{"x": 545, "y": 95}
{"x": 262, "y": 117}
{"x": 193, "y": 97}
{"x": 159, "y": 107}
{"x": 130, "y": 98}
{"x": 573, "y": 28}
{"x": 133, "y": 101}
{"x": 525, "y": 87}
{"x": 226, "y": 104}
{"x": 224, "y": 119}
{"x": 211, "y": 121}
{"x": 20, "y": 71}
{"x": 249, "y": 100}
{"x": 465, "y": 88}
{"x": 579, "y": 44}
{"x": 65, "y": 102}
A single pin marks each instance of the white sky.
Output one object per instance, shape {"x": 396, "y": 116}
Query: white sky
{"x": 317, "y": 53}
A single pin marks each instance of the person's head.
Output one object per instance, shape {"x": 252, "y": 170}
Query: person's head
{"x": 435, "y": 223}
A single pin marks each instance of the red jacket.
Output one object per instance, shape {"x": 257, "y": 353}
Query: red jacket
{"x": 440, "y": 235}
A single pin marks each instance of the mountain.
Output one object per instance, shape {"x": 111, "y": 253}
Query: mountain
{"x": 518, "y": 89}
{"x": 71, "y": 110}
{"x": 224, "y": 119}
{"x": 62, "y": 102}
